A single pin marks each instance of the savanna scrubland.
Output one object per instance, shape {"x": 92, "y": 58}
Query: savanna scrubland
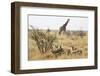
{"x": 49, "y": 44}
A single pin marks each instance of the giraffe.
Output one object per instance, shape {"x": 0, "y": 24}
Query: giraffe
{"x": 63, "y": 28}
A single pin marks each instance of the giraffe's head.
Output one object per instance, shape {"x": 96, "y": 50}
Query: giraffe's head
{"x": 68, "y": 20}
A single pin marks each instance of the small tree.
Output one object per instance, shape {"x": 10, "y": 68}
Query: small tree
{"x": 43, "y": 40}
{"x": 81, "y": 33}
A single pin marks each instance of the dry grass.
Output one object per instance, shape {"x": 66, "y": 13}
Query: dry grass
{"x": 65, "y": 41}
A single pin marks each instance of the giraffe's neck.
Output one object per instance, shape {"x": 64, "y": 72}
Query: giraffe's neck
{"x": 66, "y": 23}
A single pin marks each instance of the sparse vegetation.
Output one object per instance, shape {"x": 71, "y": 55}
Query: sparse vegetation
{"x": 50, "y": 45}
